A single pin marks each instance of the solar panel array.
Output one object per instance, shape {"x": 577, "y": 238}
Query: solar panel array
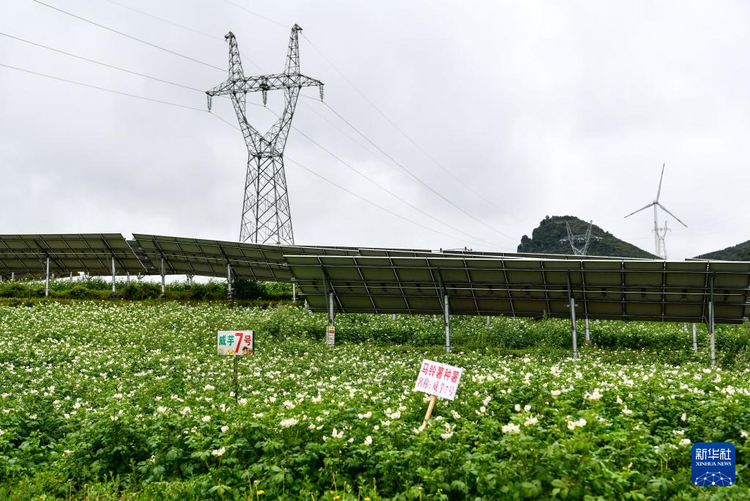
{"x": 411, "y": 280}
{"x": 26, "y": 255}
{"x": 209, "y": 258}
{"x": 605, "y": 289}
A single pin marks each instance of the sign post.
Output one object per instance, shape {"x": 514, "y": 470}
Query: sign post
{"x": 235, "y": 343}
{"x": 437, "y": 380}
{"x": 331, "y": 335}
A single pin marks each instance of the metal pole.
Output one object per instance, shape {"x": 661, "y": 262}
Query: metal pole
{"x": 163, "y": 280}
{"x": 294, "y": 291}
{"x": 127, "y": 278}
{"x": 588, "y": 333}
{"x": 393, "y": 317}
{"x": 114, "y": 290}
{"x": 13, "y": 275}
{"x": 573, "y": 326}
{"x": 330, "y": 309}
{"x": 711, "y": 323}
{"x": 229, "y": 282}
{"x": 695, "y": 339}
{"x": 447, "y": 319}
{"x": 46, "y": 281}
{"x": 488, "y": 320}
{"x": 572, "y": 306}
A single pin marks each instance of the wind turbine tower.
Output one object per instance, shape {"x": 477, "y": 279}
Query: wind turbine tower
{"x": 660, "y": 234}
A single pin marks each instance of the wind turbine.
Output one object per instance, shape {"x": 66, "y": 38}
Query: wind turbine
{"x": 659, "y": 235}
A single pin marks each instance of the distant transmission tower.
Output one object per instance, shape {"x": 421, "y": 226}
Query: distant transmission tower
{"x": 266, "y": 216}
{"x": 661, "y": 239}
{"x": 585, "y": 238}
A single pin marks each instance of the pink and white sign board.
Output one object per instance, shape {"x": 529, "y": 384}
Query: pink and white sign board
{"x": 438, "y": 379}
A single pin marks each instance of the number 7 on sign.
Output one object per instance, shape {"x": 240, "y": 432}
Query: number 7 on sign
{"x": 243, "y": 342}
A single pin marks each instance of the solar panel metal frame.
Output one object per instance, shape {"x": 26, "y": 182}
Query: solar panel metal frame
{"x": 25, "y": 256}
{"x": 606, "y": 289}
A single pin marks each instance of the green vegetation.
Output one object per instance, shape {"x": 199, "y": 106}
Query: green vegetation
{"x": 739, "y": 252}
{"x": 128, "y": 400}
{"x": 546, "y": 239}
{"x": 98, "y": 288}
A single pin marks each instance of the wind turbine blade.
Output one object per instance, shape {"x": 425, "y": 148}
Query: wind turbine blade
{"x": 639, "y": 210}
{"x": 658, "y": 193}
{"x": 678, "y": 219}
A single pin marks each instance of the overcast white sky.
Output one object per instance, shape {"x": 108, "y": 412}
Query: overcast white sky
{"x": 542, "y": 108}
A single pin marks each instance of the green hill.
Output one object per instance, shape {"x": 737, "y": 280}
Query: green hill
{"x": 546, "y": 238}
{"x": 739, "y": 252}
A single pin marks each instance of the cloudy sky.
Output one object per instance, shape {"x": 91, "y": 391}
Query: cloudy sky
{"x": 508, "y": 111}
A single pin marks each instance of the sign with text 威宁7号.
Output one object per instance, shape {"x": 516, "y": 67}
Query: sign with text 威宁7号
{"x": 713, "y": 464}
{"x": 438, "y": 379}
{"x": 235, "y": 342}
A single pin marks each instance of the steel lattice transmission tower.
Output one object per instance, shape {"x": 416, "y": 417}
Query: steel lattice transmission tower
{"x": 266, "y": 216}
{"x": 585, "y": 238}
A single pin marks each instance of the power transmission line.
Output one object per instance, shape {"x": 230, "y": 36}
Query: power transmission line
{"x": 414, "y": 143}
{"x": 70, "y": 54}
{"x": 257, "y": 15}
{"x": 394, "y": 195}
{"x": 104, "y": 89}
{"x": 150, "y": 44}
{"x": 416, "y": 178}
{"x": 375, "y": 204}
{"x": 167, "y": 21}
{"x": 188, "y": 28}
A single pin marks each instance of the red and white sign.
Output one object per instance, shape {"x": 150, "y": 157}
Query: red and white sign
{"x": 438, "y": 379}
{"x": 235, "y": 342}
{"x": 331, "y": 338}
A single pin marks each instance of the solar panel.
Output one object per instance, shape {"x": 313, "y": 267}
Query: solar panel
{"x": 26, "y": 255}
{"x": 606, "y": 289}
{"x": 192, "y": 256}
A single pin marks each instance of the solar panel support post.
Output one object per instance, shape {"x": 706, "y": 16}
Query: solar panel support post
{"x": 127, "y": 278}
{"x": 114, "y": 289}
{"x": 331, "y": 313}
{"x": 588, "y": 333}
{"x": 163, "y": 281}
{"x": 447, "y": 321}
{"x": 294, "y": 290}
{"x": 46, "y": 280}
{"x": 572, "y": 305}
{"x": 695, "y": 339}
{"x": 711, "y": 321}
{"x": 229, "y": 282}
{"x": 13, "y": 275}
{"x": 488, "y": 320}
